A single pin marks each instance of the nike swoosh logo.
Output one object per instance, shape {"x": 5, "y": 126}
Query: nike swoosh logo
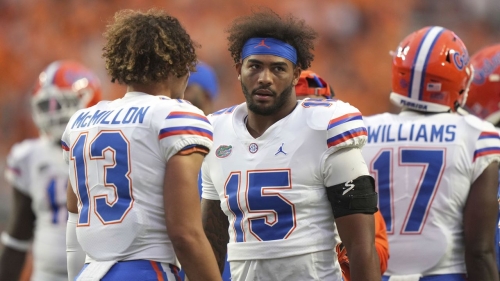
{"x": 350, "y": 185}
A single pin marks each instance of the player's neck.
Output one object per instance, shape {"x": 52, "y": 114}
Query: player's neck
{"x": 258, "y": 124}
{"x": 156, "y": 89}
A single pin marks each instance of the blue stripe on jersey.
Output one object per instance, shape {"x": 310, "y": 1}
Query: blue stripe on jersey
{"x": 64, "y": 146}
{"x": 486, "y": 151}
{"x": 343, "y": 119}
{"x": 185, "y": 130}
{"x": 489, "y": 135}
{"x": 345, "y": 136}
{"x": 187, "y": 115}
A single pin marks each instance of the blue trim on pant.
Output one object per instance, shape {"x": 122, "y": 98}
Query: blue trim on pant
{"x": 137, "y": 270}
{"x": 226, "y": 275}
{"x": 440, "y": 277}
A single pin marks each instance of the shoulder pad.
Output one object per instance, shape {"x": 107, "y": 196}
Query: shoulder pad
{"x": 377, "y": 118}
{"x": 213, "y": 117}
{"x": 168, "y": 106}
{"x": 342, "y": 123}
{"x": 479, "y": 124}
{"x": 319, "y": 113}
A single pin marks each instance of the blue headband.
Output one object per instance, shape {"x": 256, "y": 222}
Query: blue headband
{"x": 269, "y": 46}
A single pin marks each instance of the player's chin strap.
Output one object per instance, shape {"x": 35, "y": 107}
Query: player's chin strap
{"x": 16, "y": 244}
{"x": 462, "y": 111}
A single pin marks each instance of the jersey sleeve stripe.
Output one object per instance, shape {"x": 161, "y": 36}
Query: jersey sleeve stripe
{"x": 187, "y": 130}
{"x": 64, "y": 146}
{"x": 187, "y": 115}
{"x": 343, "y": 119}
{"x": 347, "y": 135}
{"x": 486, "y": 151}
{"x": 193, "y": 148}
{"x": 489, "y": 135}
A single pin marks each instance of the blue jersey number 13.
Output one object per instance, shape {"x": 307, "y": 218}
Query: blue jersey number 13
{"x": 116, "y": 175}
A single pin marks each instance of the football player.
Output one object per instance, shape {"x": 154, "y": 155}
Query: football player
{"x": 282, "y": 171}
{"x": 39, "y": 175}
{"x": 436, "y": 169}
{"x": 133, "y": 200}
{"x": 311, "y": 85}
{"x": 484, "y": 98}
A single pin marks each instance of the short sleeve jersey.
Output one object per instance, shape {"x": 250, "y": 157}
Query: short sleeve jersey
{"x": 423, "y": 167}
{"x": 272, "y": 188}
{"x": 117, "y": 153}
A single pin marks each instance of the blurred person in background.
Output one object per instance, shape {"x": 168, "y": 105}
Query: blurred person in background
{"x": 202, "y": 88}
{"x": 133, "y": 200}
{"x": 311, "y": 85}
{"x": 272, "y": 143}
{"x": 484, "y": 100}
{"x": 436, "y": 169}
{"x": 39, "y": 175}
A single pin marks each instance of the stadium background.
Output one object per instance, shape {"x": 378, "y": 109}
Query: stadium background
{"x": 352, "y": 51}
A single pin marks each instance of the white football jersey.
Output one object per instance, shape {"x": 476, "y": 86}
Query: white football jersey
{"x": 35, "y": 170}
{"x": 423, "y": 167}
{"x": 117, "y": 153}
{"x": 272, "y": 188}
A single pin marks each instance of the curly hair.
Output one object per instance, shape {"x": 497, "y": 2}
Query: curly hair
{"x": 145, "y": 47}
{"x": 266, "y": 23}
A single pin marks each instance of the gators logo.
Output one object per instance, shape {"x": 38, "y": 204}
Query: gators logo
{"x": 461, "y": 59}
{"x": 223, "y": 151}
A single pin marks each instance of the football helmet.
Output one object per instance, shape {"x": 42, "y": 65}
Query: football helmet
{"x": 431, "y": 71}
{"x": 484, "y": 93}
{"x": 310, "y": 84}
{"x": 62, "y": 88}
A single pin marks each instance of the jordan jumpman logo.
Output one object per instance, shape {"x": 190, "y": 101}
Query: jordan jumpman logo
{"x": 280, "y": 150}
{"x": 262, "y": 44}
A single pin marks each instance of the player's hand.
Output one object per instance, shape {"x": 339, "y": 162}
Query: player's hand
{"x": 343, "y": 261}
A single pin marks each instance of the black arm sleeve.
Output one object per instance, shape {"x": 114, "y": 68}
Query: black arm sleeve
{"x": 353, "y": 197}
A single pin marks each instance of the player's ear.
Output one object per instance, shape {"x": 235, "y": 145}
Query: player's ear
{"x": 296, "y": 75}
{"x": 237, "y": 67}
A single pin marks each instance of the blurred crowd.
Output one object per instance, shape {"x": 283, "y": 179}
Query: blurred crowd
{"x": 355, "y": 40}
